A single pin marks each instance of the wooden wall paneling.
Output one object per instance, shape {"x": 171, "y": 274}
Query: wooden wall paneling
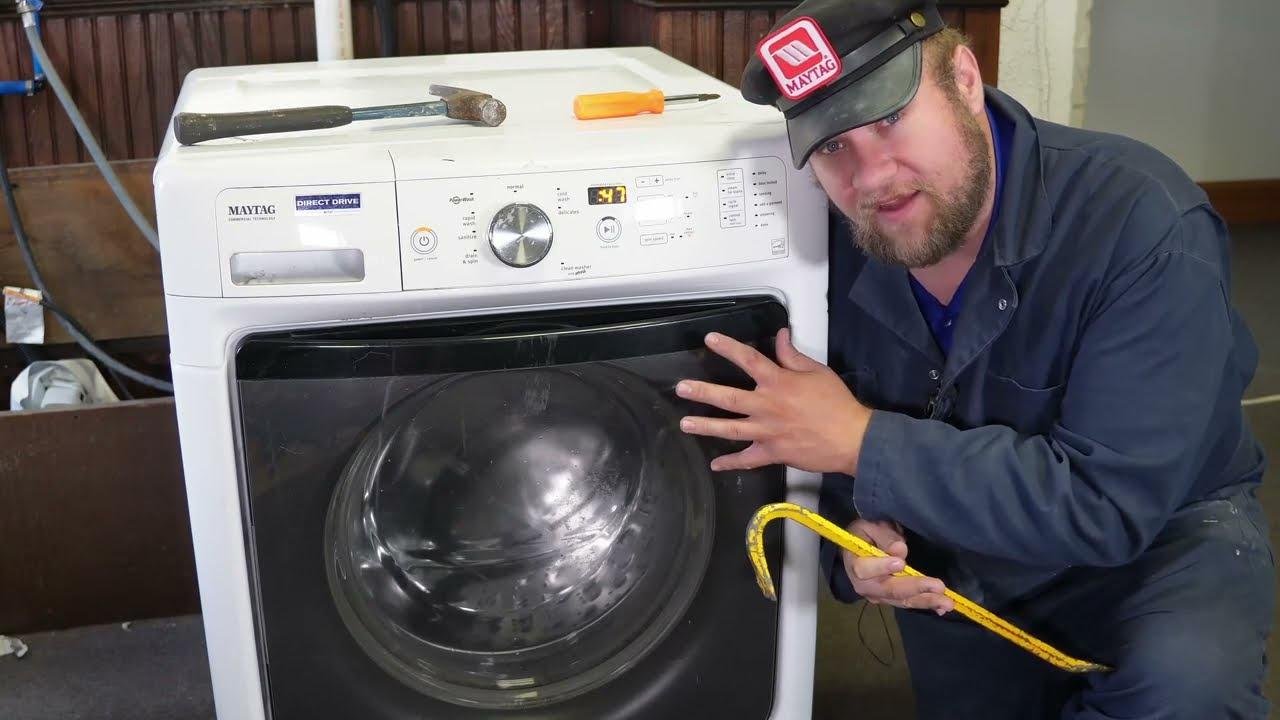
{"x": 505, "y": 24}
{"x": 600, "y": 20}
{"x": 434, "y": 26}
{"x": 708, "y": 30}
{"x": 408, "y": 28}
{"x": 93, "y": 524}
{"x": 553, "y": 25}
{"x": 624, "y": 24}
{"x": 83, "y": 81}
{"x": 577, "y": 16}
{"x": 735, "y": 50}
{"x": 682, "y": 36}
{"x": 758, "y": 24}
{"x": 364, "y": 30}
{"x": 95, "y": 262}
{"x": 664, "y": 33}
{"x": 982, "y": 25}
{"x": 530, "y": 15}
{"x": 185, "y": 50}
{"x": 143, "y": 134}
{"x": 108, "y": 65}
{"x": 284, "y": 34}
{"x": 14, "y": 106}
{"x": 161, "y": 62}
{"x": 481, "y": 28}
{"x": 209, "y": 30}
{"x": 259, "y": 28}
{"x": 457, "y": 30}
{"x": 375, "y": 27}
{"x": 305, "y": 22}
{"x": 66, "y": 145}
{"x": 38, "y": 110}
{"x": 235, "y": 40}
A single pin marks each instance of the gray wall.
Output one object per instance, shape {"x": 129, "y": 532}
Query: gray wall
{"x": 1198, "y": 79}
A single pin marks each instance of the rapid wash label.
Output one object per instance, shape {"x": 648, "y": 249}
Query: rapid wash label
{"x": 326, "y": 204}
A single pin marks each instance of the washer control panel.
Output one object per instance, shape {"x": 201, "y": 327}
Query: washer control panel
{"x": 547, "y": 226}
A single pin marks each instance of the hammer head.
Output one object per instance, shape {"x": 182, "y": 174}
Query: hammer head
{"x": 463, "y": 104}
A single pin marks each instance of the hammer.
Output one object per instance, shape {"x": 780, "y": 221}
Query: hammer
{"x": 456, "y": 103}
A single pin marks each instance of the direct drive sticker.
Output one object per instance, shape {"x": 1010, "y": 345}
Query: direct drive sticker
{"x": 800, "y": 58}
{"x": 326, "y": 204}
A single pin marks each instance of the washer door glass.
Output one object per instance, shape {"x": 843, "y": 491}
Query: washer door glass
{"x": 516, "y": 537}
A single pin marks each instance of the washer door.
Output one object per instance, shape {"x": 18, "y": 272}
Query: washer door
{"x": 498, "y": 517}
{"x": 519, "y": 537}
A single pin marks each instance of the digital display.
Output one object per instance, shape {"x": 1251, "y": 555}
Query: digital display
{"x": 655, "y": 209}
{"x": 606, "y": 194}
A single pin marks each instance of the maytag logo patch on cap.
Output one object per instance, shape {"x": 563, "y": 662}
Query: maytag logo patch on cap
{"x": 800, "y": 58}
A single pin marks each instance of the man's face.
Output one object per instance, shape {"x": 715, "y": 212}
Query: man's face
{"x": 913, "y": 184}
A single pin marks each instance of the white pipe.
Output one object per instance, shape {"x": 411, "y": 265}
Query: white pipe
{"x": 333, "y": 30}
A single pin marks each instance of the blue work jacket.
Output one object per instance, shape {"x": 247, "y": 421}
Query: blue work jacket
{"x": 1093, "y": 384}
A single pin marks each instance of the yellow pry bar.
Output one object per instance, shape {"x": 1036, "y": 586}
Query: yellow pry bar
{"x": 861, "y": 548}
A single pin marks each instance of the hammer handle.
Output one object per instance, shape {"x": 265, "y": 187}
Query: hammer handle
{"x": 192, "y": 128}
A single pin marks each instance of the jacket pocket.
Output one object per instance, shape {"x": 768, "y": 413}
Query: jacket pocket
{"x": 1028, "y": 410}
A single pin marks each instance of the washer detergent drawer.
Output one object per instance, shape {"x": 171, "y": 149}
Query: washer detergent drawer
{"x": 499, "y": 517}
{"x": 323, "y": 240}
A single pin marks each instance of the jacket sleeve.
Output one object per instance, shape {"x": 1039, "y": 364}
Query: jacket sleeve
{"x": 1154, "y": 370}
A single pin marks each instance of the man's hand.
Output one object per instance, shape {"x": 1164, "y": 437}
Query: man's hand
{"x": 873, "y": 579}
{"x": 799, "y": 414}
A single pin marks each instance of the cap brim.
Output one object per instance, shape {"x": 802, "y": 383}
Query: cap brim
{"x": 884, "y": 91}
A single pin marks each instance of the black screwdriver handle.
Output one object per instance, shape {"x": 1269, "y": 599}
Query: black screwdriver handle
{"x": 192, "y": 128}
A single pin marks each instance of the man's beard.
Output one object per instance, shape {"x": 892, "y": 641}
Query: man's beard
{"x": 957, "y": 212}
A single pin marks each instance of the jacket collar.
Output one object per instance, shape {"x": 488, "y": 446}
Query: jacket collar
{"x": 1021, "y": 231}
{"x": 1026, "y": 216}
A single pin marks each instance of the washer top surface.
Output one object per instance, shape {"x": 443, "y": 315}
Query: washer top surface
{"x": 537, "y": 88}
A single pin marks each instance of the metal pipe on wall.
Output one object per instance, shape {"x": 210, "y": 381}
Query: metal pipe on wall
{"x": 333, "y": 30}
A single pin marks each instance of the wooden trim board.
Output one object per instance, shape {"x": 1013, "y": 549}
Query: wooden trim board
{"x": 96, "y": 264}
{"x": 1246, "y": 202}
{"x": 93, "y": 517}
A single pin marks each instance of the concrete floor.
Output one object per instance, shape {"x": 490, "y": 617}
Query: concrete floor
{"x": 150, "y": 670}
{"x": 852, "y": 683}
{"x": 156, "y": 669}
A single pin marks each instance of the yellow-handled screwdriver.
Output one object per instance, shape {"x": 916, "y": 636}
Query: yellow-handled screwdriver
{"x": 623, "y": 104}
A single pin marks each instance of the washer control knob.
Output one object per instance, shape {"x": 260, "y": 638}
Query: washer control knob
{"x": 520, "y": 235}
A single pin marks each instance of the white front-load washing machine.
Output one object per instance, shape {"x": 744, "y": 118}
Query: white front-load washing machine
{"x": 425, "y": 386}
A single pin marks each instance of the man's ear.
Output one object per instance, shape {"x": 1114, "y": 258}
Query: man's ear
{"x": 968, "y": 79}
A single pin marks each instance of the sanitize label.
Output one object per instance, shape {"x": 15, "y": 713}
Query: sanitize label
{"x": 326, "y": 204}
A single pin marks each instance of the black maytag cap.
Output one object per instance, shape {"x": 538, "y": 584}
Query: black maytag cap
{"x": 834, "y": 65}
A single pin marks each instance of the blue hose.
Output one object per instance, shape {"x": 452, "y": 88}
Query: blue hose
{"x": 17, "y": 87}
{"x": 27, "y": 87}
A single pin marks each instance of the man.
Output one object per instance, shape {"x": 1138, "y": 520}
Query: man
{"x": 1035, "y": 384}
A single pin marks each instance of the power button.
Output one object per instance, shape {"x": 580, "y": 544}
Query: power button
{"x": 424, "y": 240}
